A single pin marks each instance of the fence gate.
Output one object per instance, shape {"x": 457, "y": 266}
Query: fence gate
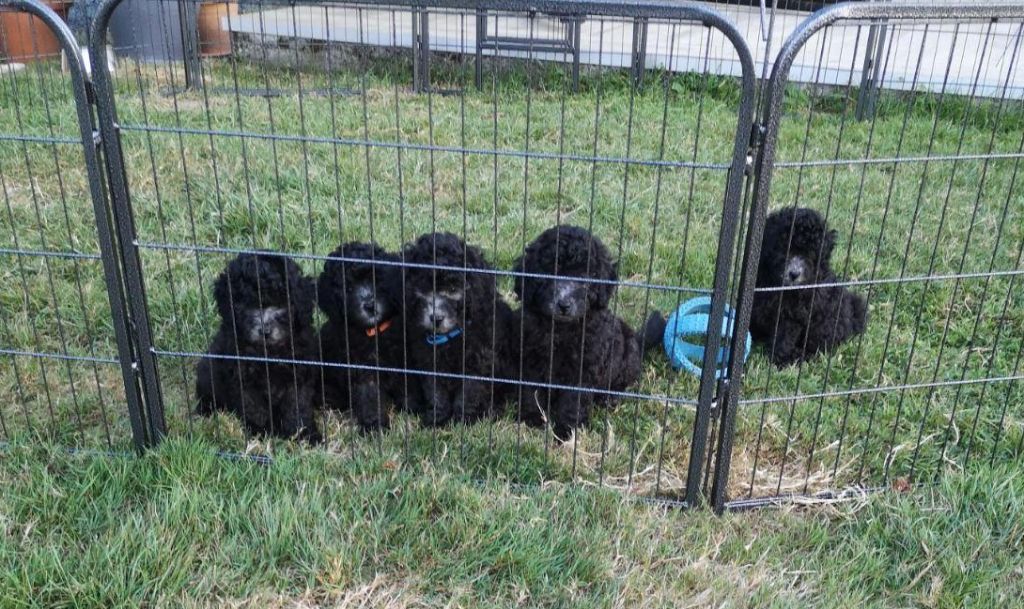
{"x": 66, "y": 372}
{"x": 926, "y": 201}
{"x": 335, "y": 121}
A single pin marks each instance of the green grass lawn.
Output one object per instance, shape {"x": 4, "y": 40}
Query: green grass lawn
{"x": 194, "y": 182}
{"x": 182, "y": 528}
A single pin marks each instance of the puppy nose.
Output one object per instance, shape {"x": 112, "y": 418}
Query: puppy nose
{"x": 794, "y": 274}
{"x": 436, "y": 318}
{"x": 370, "y": 307}
{"x": 564, "y": 306}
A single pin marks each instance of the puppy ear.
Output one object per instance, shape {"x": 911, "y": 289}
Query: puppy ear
{"x": 601, "y": 293}
{"x": 479, "y": 283}
{"x": 303, "y": 294}
{"x": 828, "y": 245}
{"x": 222, "y": 294}
{"x": 518, "y": 282}
{"x": 328, "y": 288}
{"x": 324, "y": 293}
{"x": 389, "y": 279}
{"x": 300, "y": 290}
{"x": 475, "y": 259}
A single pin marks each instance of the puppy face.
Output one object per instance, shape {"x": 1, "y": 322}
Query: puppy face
{"x": 439, "y": 311}
{"x": 443, "y": 298}
{"x": 575, "y": 256}
{"x": 797, "y": 248}
{"x": 365, "y": 307}
{"x": 561, "y": 299}
{"x": 269, "y": 324}
{"x": 358, "y": 294}
{"x": 265, "y": 299}
{"x": 798, "y": 270}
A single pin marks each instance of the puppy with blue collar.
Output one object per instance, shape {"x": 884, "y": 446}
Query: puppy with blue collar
{"x": 458, "y": 331}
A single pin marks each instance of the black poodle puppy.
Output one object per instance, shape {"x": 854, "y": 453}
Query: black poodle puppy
{"x": 457, "y": 324}
{"x": 266, "y": 309}
{"x": 808, "y": 318}
{"x": 363, "y": 303}
{"x": 568, "y": 335}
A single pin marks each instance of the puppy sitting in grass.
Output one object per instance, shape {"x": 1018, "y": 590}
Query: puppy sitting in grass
{"x": 805, "y": 317}
{"x": 266, "y": 310}
{"x": 568, "y": 335}
{"x": 457, "y": 325}
{"x": 362, "y": 300}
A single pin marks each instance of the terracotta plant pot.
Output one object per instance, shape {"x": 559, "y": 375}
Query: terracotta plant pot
{"x": 24, "y": 38}
{"x": 214, "y": 38}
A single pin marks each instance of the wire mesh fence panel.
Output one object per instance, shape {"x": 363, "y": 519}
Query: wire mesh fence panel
{"x": 61, "y": 343}
{"x": 926, "y": 207}
{"x": 335, "y": 123}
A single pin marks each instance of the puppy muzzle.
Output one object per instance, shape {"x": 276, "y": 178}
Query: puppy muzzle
{"x": 796, "y": 271}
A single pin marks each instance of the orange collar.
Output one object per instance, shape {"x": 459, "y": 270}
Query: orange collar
{"x": 379, "y": 328}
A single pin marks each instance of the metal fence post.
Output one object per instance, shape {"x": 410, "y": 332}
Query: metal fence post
{"x": 125, "y": 226}
{"x": 481, "y": 33}
{"x": 420, "y": 50}
{"x": 870, "y": 83}
{"x": 638, "y": 62}
{"x": 189, "y": 18}
{"x": 709, "y": 385}
{"x": 577, "y": 35}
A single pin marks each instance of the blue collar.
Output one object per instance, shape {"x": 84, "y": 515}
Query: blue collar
{"x": 440, "y": 339}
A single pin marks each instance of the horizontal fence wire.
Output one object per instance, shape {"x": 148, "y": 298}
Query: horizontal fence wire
{"x": 427, "y": 373}
{"x": 402, "y": 264}
{"x": 430, "y": 147}
{"x": 6, "y": 251}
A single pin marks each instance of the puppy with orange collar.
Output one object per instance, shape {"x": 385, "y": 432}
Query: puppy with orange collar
{"x": 360, "y": 292}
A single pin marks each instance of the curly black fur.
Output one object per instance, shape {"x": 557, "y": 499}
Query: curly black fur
{"x": 266, "y": 309}
{"x": 363, "y": 304}
{"x": 569, "y": 337}
{"x": 443, "y": 302}
{"x": 798, "y": 323}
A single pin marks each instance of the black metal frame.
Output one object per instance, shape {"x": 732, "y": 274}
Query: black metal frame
{"x": 753, "y": 154}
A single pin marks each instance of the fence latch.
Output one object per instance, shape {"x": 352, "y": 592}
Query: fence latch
{"x": 757, "y": 131}
{"x": 721, "y": 396}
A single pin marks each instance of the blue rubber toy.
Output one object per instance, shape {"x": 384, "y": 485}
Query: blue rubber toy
{"x": 685, "y": 334}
